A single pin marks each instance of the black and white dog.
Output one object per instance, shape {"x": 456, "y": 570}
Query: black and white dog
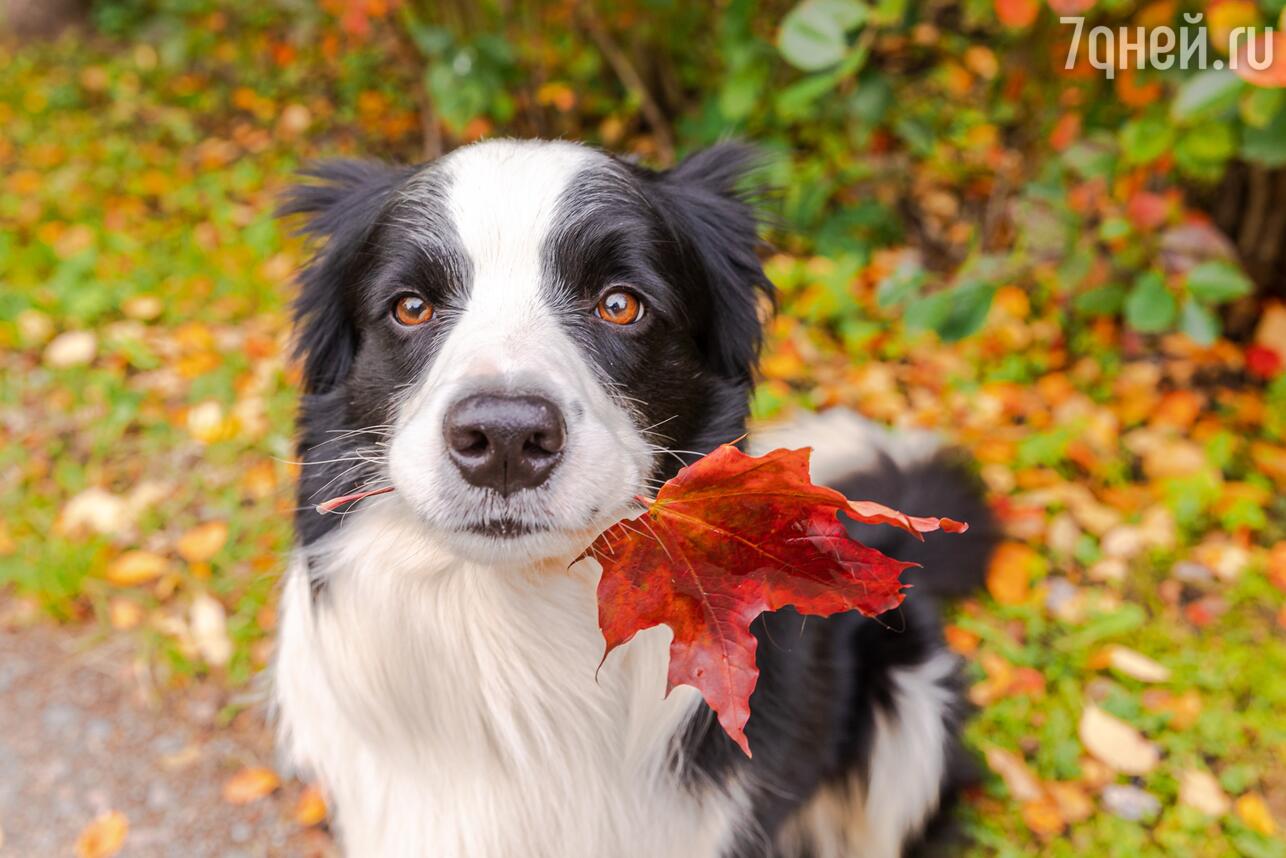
{"x": 520, "y": 337}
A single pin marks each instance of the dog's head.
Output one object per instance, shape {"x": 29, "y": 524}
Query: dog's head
{"x": 516, "y": 335}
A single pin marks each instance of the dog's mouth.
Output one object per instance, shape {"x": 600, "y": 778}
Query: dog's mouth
{"x": 505, "y": 528}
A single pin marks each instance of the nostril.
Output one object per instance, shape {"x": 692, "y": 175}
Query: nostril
{"x": 543, "y": 444}
{"x": 473, "y": 443}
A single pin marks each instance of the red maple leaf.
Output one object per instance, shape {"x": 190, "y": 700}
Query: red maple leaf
{"x": 732, "y": 536}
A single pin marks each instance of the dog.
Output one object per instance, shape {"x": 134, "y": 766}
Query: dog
{"x": 520, "y": 337}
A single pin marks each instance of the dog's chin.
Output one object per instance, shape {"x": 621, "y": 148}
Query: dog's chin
{"x": 510, "y": 542}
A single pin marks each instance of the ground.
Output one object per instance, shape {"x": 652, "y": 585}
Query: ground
{"x": 1128, "y": 656}
{"x": 83, "y": 733}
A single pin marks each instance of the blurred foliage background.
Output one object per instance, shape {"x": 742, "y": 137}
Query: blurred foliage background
{"x": 1079, "y": 277}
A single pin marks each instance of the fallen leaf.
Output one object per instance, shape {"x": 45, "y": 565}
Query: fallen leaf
{"x": 1010, "y": 571}
{"x": 1136, "y": 665}
{"x": 95, "y": 510}
{"x": 209, "y": 629}
{"x": 729, "y": 537}
{"x": 202, "y": 542}
{"x": 1270, "y": 459}
{"x": 1199, "y": 789}
{"x": 310, "y": 809}
{"x": 71, "y": 348}
{"x": 103, "y": 837}
{"x": 1115, "y": 743}
{"x": 250, "y": 784}
{"x": 136, "y": 567}
{"x": 1022, "y": 783}
{"x": 1043, "y": 816}
{"x": 1253, "y": 811}
{"x": 1184, "y": 709}
{"x": 123, "y": 613}
{"x": 1130, "y": 802}
{"x": 961, "y": 640}
{"x": 1072, "y": 799}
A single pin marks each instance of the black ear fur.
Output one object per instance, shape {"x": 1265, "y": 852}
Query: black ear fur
{"x": 716, "y": 220}
{"x": 343, "y": 208}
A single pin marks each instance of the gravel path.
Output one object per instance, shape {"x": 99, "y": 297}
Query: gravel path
{"x": 80, "y": 735}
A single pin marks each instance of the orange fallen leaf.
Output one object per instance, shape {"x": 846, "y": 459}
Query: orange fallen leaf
{"x": 1072, "y": 799}
{"x": 1270, "y": 460}
{"x": 1010, "y": 572}
{"x": 1115, "y": 743}
{"x": 136, "y": 567}
{"x": 202, "y": 542}
{"x": 250, "y": 784}
{"x": 1043, "y": 816}
{"x": 104, "y": 836}
{"x": 962, "y": 640}
{"x": 1183, "y": 709}
{"x": 310, "y": 809}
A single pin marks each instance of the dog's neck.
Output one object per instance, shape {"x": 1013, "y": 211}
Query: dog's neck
{"x": 435, "y": 654}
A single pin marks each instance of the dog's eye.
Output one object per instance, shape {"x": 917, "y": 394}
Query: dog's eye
{"x": 412, "y": 310}
{"x": 620, "y": 308}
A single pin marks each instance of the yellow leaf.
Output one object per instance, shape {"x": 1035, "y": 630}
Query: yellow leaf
{"x": 1253, "y": 811}
{"x": 103, "y": 837}
{"x": 136, "y": 567}
{"x": 1115, "y": 743}
{"x": 202, "y": 542}
{"x": 311, "y": 808}
{"x": 250, "y": 784}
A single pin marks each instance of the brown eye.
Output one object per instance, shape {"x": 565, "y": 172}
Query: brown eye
{"x": 620, "y": 308}
{"x": 412, "y": 310}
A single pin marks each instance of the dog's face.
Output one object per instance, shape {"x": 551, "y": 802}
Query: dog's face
{"x": 514, "y": 336}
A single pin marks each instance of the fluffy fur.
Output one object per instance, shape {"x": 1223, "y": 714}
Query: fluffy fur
{"x": 438, "y": 667}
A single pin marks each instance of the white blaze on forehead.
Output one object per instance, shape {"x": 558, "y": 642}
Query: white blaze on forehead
{"x": 503, "y": 201}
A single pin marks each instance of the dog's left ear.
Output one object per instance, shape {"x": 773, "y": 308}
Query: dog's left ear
{"x": 713, "y": 217}
{"x": 342, "y": 208}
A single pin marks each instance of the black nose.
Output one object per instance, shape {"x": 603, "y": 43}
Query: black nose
{"x": 504, "y": 443}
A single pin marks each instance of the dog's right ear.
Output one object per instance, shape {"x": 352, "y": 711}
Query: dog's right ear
{"x": 342, "y": 211}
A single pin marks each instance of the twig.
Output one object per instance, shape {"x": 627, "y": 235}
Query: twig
{"x": 630, "y": 79}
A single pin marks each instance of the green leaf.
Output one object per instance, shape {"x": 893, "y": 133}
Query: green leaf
{"x": 1103, "y": 301}
{"x": 814, "y": 35}
{"x": 1260, "y": 106}
{"x": 1267, "y": 145}
{"x": 1146, "y": 139}
{"x": 1206, "y": 95}
{"x": 969, "y": 307}
{"x": 1198, "y": 323}
{"x": 1150, "y": 307}
{"x": 1218, "y": 282}
{"x": 1202, "y": 151}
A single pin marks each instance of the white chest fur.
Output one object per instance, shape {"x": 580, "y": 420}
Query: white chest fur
{"x": 452, "y": 709}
